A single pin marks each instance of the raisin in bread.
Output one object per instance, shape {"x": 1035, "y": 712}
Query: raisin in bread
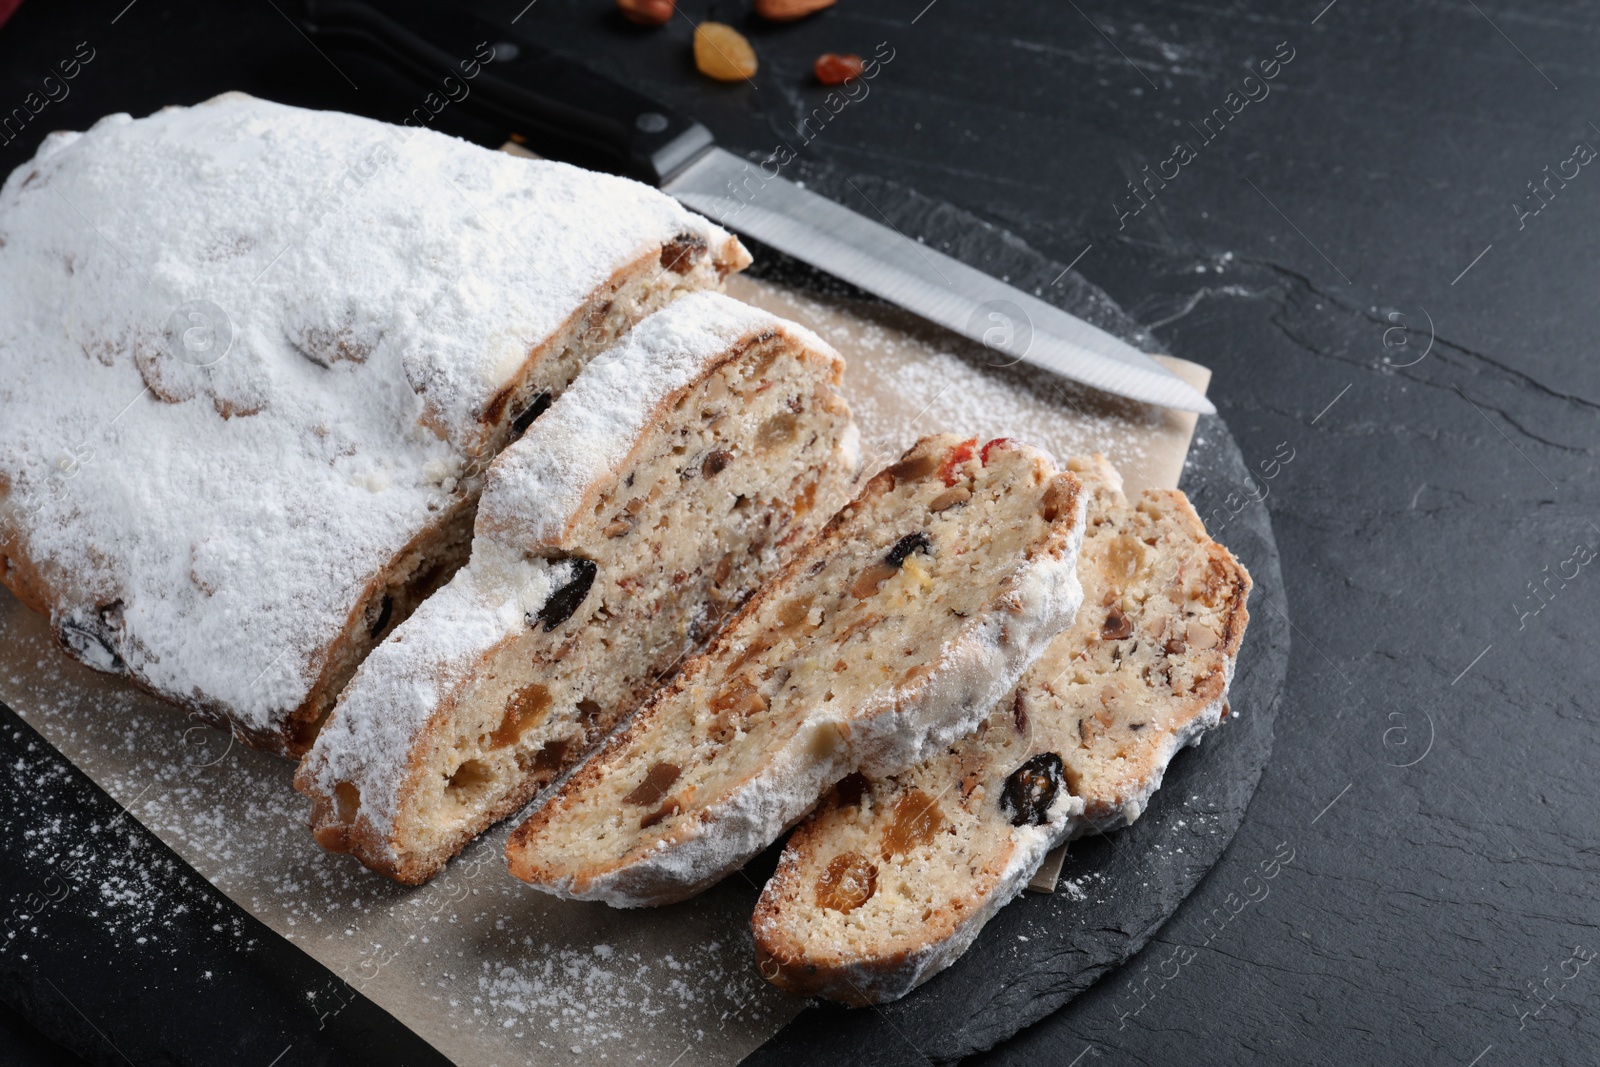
{"x": 885, "y": 638}
{"x": 253, "y": 362}
{"x": 891, "y": 878}
{"x": 636, "y": 514}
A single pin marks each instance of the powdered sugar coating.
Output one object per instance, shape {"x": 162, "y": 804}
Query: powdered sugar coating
{"x": 537, "y": 486}
{"x": 366, "y": 290}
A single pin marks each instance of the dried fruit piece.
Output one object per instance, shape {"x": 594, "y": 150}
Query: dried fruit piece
{"x": 851, "y": 788}
{"x": 1124, "y": 559}
{"x": 1060, "y": 498}
{"x": 665, "y": 811}
{"x": 917, "y": 819}
{"x": 789, "y": 10}
{"x": 721, "y": 52}
{"x": 911, "y": 542}
{"x": 1032, "y": 789}
{"x": 955, "y": 458}
{"x": 741, "y": 698}
{"x": 998, "y": 442}
{"x": 680, "y": 254}
{"x": 564, "y": 601}
{"x": 552, "y": 755}
{"x": 646, "y": 12}
{"x": 869, "y": 581}
{"x": 346, "y": 801}
{"x": 657, "y": 780}
{"x": 950, "y": 498}
{"x": 524, "y": 710}
{"x": 831, "y": 68}
{"x": 778, "y": 430}
{"x": 914, "y": 467}
{"x": 715, "y": 463}
{"x": 732, "y": 707}
{"x": 795, "y": 613}
{"x": 848, "y": 882}
{"x": 1117, "y": 626}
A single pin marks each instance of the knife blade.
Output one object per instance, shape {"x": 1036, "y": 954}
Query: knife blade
{"x": 548, "y": 98}
{"x": 1015, "y": 325}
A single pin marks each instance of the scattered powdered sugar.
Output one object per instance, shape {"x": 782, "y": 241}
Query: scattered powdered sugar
{"x": 483, "y": 967}
{"x": 576, "y": 994}
{"x": 1073, "y": 887}
{"x": 907, "y": 379}
{"x": 246, "y": 349}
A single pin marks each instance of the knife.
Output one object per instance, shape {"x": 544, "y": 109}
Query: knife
{"x": 569, "y": 111}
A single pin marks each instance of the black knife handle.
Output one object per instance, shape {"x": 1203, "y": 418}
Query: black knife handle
{"x": 545, "y": 97}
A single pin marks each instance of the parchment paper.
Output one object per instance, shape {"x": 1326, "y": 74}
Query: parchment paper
{"x": 486, "y": 969}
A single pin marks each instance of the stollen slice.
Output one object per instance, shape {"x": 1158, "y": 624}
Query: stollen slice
{"x": 891, "y": 878}
{"x": 887, "y": 637}
{"x": 637, "y": 513}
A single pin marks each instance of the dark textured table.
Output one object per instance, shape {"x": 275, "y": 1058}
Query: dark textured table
{"x": 1384, "y": 251}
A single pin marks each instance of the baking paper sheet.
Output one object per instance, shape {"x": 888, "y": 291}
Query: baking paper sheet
{"x": 486, "y": 969}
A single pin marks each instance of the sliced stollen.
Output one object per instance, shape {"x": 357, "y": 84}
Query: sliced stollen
{"x": 253, "y": 362}
{"x": 891, "y": 878}
{"x": 640, "y": 510}
{"x": 889, "y": 635}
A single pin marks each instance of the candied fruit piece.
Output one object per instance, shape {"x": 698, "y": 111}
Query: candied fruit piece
{"x": 831, "y": 68}
{"x": 524, "y": 710}
{"x": 954, "y": 458}
{"x": 917, "y": 819}
{"x": 646, "y": 12}
{"x": 657, "y": 780}
{"x": 848, "y": 882}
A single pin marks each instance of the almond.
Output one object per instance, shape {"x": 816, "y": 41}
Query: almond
{"x": 789, "y": 10}
{"x": 646, "y": 12}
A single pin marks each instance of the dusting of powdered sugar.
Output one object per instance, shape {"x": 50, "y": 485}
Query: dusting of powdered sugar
{"x": 244, "y": 351}
{"x": 907, "y": 379}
